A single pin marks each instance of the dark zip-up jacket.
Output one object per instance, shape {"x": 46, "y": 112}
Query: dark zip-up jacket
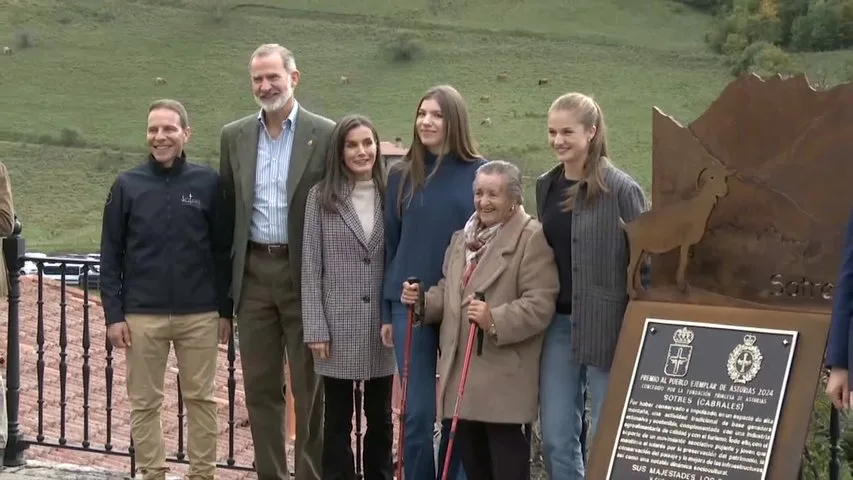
{"x": 165, "y": 248}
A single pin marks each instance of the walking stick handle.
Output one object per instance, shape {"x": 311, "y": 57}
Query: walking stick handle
{"x": 419, "y": 306}
{"x": 480, "y": 334}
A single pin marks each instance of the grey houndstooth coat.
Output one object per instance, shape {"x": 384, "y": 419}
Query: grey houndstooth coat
{"x": 341, "y": 290}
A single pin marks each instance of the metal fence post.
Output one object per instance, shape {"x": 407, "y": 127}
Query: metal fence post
{"x": 14, "y": 249}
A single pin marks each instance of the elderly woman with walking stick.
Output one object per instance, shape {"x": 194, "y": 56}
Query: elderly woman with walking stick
{"x": 494, "y": 303}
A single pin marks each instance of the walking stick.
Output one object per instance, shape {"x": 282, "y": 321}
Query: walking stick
{"x": 404, "y": 377}
{"x": 472, "y": 337}
{"x": 357, "y": 401}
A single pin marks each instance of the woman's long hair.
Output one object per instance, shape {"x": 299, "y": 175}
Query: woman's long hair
{"x": 587, "y": 111}
{"x": 458, "y": 142}
{"x": 337, "y": 183}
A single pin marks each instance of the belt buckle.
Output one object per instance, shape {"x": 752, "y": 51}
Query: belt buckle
{"x": 274, "y": 248}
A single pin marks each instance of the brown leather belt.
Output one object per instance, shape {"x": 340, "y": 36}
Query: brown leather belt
{"x": 269, "y": 248}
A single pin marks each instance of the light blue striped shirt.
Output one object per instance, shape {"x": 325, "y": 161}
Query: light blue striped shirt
{"x": 269, "y": 209}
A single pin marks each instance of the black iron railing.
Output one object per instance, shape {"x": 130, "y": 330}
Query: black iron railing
{"x": 71, "y": 271}
{"x": 14, "y": 249}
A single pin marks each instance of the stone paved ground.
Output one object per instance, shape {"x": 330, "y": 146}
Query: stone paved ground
{"x": 35, "y": 470}
{"x": 50, "y": 471}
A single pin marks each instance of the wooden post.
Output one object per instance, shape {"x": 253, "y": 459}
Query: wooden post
{"x": 290, "y": 423}
{"x": 396, "y": 396}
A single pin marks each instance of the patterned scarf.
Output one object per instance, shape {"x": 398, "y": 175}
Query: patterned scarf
{"x": 477, "y": 239}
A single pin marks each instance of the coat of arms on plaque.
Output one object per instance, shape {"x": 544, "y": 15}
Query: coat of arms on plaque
{"x": 744, "y": 361}
{"x": 678, "y": 356}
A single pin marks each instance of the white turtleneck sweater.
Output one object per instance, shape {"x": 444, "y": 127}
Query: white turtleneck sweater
{"x": 363, "y": 200}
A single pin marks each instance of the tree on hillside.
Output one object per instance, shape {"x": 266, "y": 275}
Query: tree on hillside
{"x": 826, "y": 25}
{"x": 706, "y": 5}
{"x": 788, "y": 12}
{"x": 798, "y": 25}
{"x": 772, "y": 27}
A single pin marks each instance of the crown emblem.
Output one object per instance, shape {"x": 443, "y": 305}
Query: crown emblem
{"x": 683, "y": 336}
{"x": 749, "y": 339}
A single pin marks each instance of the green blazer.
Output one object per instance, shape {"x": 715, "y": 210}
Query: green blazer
{"x": 237, "y": 164}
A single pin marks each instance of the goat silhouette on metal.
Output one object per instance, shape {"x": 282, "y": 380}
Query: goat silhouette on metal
{"x": 680, "y": 225}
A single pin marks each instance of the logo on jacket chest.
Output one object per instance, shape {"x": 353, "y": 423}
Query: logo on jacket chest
{"x": 188, "y": 200}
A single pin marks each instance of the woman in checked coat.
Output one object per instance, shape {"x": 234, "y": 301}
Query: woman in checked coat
{"x": 342, "y": 270}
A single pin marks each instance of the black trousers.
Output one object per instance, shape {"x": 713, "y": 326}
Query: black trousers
{"x": 338, "y": 457}
{"x": 493, "y": 451}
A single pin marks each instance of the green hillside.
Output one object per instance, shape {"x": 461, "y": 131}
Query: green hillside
{"x": 89, "y": 74}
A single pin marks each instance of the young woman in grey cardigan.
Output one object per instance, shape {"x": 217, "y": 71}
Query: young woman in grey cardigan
{"x": 579, "y": 203}
{"x": 342, "y": 269}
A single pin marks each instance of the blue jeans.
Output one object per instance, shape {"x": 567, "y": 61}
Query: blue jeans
{"x": 562, "y": 387}
{"x": 420, "y": 461}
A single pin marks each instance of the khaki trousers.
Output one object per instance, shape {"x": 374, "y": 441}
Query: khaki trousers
{"x": 195, "y": 338}
{"x": 269, "y": 323}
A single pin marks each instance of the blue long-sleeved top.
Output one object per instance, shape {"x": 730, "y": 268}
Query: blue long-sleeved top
{"x": 416, "y": 241}
{"x": 837, "y": 352}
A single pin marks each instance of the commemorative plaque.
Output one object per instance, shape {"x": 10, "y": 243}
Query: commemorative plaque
{"x": 705, "y": 392}
{"x": 703, "y": 402}
{"x": 744, "y": 256}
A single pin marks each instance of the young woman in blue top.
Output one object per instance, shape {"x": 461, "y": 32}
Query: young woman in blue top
{"x": 428, "y": 198}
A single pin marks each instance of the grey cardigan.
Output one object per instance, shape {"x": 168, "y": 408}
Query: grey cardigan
{"x": 599, "y": 262}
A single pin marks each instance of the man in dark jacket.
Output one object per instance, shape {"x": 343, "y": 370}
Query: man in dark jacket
{"x": 165, "y": 275}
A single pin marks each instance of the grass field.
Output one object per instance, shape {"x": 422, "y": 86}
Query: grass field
{"x": 90, "y": 72}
